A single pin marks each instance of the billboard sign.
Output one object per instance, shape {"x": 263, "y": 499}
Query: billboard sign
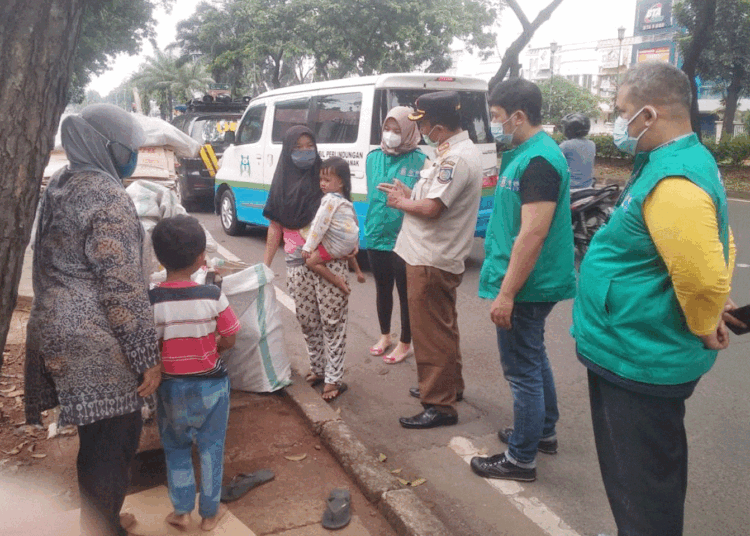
{"x": 654, "y": 54}
{"x": 652, "y": 16}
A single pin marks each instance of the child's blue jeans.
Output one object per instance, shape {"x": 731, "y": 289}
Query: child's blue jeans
{"x": 194, "y": 410}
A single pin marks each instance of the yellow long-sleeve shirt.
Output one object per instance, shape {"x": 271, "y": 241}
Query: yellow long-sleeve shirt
{"x": 681, "y": 218}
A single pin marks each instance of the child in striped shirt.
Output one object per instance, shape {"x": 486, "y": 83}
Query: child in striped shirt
{"x": 194, "y": 323}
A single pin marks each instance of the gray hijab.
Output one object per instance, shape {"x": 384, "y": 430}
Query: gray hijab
{"x": 101, "y": 133}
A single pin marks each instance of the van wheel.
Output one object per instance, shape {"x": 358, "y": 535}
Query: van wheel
{"x": 228, "y": 214}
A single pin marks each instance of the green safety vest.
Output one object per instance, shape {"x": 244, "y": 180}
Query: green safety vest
{"x": 383, "y": 223}
{"x": 627, "y": 318}
{"x": 553, "y": 277}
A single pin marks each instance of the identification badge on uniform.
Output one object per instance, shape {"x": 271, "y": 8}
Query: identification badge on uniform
{"x": 445, "y": 175}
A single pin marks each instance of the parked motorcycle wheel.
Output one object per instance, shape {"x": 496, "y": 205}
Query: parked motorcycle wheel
{"x": 583, "y": 231}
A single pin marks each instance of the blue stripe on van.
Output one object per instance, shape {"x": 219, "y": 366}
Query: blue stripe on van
{"x": 251, "y": 200}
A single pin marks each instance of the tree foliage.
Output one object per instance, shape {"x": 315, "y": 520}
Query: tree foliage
{"x": 254, "y": 45}
{"x": 561, "y": 97}
{"x": 108, "y": 28}
{"x": 725, "y": 56}
{"x": 510, "y": 65}
{"x": 166, "y": 79}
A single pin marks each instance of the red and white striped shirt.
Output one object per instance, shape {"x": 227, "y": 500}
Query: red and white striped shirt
{"x": 188, "y": 316}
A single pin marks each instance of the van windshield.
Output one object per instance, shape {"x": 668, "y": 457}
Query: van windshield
{"x": 212, "y": 129}
{"x": 474, "y": 111}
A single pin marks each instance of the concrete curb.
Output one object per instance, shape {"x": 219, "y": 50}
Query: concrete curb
{"x": 405, "y": 512}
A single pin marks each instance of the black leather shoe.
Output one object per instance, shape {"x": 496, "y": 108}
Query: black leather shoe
{"x": 547, "y": 446}
{"x": 429, "y": 418}
{"x": 414, "y": 391}
{"x": 498, "y": 466}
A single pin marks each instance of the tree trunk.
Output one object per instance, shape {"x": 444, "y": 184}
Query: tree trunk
{"x": 733, "y": 95}
{"x": 36, "y": 57}
{"x": 276, "y": 79}
{"x": 706, "y": 17}
{"x": 170, "y": 105}
{"x": 510, "y": 58}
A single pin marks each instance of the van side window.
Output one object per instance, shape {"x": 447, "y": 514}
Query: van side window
{"x": 475, "y": 118}
{"x": 251, "y": 127}
{"x": 288, "y": 114}
{"x": 337, "y": 118}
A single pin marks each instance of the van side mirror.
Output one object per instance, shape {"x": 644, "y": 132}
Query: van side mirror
{"x": 229, "y": 137}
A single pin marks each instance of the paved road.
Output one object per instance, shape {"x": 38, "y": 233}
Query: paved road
{"x": 568, "y": 497}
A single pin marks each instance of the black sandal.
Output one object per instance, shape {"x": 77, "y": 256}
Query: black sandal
{"x": 340, "y": 388}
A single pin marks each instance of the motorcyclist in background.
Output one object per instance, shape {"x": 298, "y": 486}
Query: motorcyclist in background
{"x": 578, "y": 151}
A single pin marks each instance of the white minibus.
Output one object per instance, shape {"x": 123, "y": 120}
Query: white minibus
{"x": 346, "y": 116}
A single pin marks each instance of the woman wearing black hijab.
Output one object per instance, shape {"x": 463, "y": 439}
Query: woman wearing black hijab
{"x": 321, "y": 308}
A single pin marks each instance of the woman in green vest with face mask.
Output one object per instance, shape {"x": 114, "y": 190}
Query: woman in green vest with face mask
{"x": 398, "y": 158}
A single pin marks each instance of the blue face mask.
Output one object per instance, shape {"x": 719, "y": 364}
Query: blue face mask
{"x": 304, "y": 158}
{"x": 126, "y": 170}
{"x": 498, "y": 132}
{"x": 623, "y": 140}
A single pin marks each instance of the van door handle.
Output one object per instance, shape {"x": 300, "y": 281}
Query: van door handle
{"x": 258, "y": 157}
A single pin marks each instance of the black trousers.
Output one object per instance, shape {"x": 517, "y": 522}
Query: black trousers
{"x": 106, "y": 451}
{"x": 642, "y": 448}
{"x": 387, "y": 269}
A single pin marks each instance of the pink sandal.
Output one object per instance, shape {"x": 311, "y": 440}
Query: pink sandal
{"x": 376, "y": 350}
{"x": 390, "y": 360}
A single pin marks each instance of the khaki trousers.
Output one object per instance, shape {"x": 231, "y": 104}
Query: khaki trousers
{"x": 434, "y": 327}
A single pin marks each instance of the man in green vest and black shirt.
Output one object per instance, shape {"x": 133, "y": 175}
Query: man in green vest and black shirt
{"x": 528, "y": 268}
{"x": 652, "y": 288}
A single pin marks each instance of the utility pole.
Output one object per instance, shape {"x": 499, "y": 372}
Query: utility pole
{"x": 553, "y": 48}
{"x": 620, "y": 37}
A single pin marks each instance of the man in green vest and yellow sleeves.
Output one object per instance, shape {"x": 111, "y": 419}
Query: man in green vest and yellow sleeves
{"x": 653, "y": 285}
{"x": 528, "y": 268}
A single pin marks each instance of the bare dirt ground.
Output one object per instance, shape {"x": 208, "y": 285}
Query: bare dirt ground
{"x": 736, "y": 179}
{"x": 25, "y": 450}
{"x": 265, "y": 432}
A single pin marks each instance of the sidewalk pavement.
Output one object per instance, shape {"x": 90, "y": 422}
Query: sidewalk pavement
{"x": 25, "y": 287}
{"x": 304, "y": 442}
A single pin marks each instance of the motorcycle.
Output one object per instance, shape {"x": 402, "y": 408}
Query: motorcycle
{"x": 590, "y": 208}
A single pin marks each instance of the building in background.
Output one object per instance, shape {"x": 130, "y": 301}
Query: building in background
{"x": 599, "y": 66}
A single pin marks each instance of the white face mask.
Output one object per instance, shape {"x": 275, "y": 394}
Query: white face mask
{"x": 391, "y": 139}
{"x": 624, "y": 141}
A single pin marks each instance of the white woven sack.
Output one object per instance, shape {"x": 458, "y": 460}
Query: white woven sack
{"x": 259, "y": 362}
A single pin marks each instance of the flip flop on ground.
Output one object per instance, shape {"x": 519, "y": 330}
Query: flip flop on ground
{"x": 338, "y": 510}
{"x": 242, "y": 483}
{"x": 334, "y": 390}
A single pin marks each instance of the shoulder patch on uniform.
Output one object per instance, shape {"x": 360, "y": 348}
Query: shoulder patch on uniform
{"x": 445, "y": 175}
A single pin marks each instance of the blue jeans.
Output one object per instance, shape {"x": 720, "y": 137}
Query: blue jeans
{"x": 526, "y": 367}
{"x": 194, "y": 410}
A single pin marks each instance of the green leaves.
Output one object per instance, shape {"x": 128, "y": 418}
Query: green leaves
{"x": 255, "y": 45}
{"x": 110, "y": 27}
{"x": 562, "y": 97}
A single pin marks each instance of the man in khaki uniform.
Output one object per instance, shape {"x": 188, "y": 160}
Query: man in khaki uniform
{"x": 435, "y": 240}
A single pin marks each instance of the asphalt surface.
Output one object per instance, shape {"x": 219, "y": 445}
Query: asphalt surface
{"x": 568, "y": 496}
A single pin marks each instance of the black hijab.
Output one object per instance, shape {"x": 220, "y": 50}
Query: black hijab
{"x": 295, "y": 193}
